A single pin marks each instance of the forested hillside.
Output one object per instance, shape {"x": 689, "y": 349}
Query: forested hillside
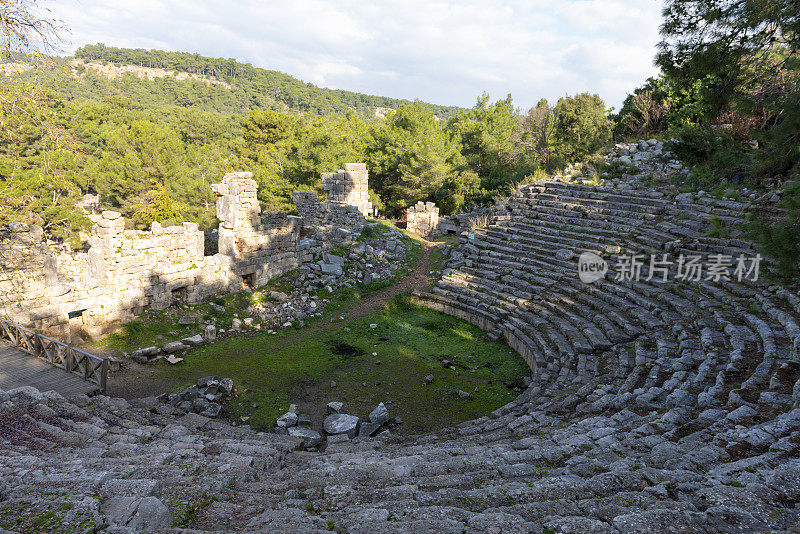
{"x": 252, "y": 87}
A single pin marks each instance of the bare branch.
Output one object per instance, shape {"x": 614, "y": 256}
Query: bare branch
{"x": 27, "y": 29}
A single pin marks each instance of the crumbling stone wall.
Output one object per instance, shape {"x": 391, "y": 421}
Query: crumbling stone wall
{"x": 327, "y": 224}
{"x": 238, "y": 212}
{"x": 347, "y": 204}
{"x": 65, "y": 293}
{"x": 465, "y": 222}
{"x": 259, "y": 247}
{"x": 62, "y": 292}
{"x": 138, "y": 269}
{"x": 422, "y": 218}
{"x": 126, "y": 271}
{"x": 310, "y": 208}
{"x": 349, "y": 187}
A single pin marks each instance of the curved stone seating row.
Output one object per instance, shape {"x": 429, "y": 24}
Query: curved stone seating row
{"x": 615, "y": 227}
{"x": 699, "y": 350}
{"x": 526, "y": 468}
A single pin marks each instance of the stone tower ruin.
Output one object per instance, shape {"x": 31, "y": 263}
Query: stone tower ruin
{"x": 237, "y": 210}
{"x": 349, "y": 187}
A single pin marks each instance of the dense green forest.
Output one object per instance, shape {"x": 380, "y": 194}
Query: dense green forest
{"x": 728, "y": 97}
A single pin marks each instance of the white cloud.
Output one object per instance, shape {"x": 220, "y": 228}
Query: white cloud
{"x": 438, "y": 51}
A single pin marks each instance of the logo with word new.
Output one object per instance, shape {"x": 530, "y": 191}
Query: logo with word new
{"x": 591, "y": 267}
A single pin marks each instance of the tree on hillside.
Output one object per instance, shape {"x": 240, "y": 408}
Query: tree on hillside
{"x": 33, "y": 185}
{"x": 161, "y": 206}
{"x": 582, "y": 126}
{"x": 537, "y": 132}
{"x": 647, "y": 109}
{"x": 486, "y": 133}
{"x": 745, "y": 53}
{"x": 702, "y": 37}
{"x": 411, "y": 156}
{"x": 491, "y": 142}
{"x": 137, "y": 161}
{"x": 731, "y": 75}
{"x": 270, "y": 145}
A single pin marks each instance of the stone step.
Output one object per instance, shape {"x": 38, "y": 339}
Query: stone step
{"x": 618, "y": 230}
{"x": 643, "y": 196}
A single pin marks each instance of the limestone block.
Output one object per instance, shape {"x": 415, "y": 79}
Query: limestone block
{"x": 50, "y": 270}
{"x": 226, "y": 211}
{"x": 97, "y": 264}
{"x": 18, "y": 227}
{"x": 227, "y": 242}
{"x": 199, "y": 246}
{"x": 242, "y": 175}
{"x": 117, "y": 225}
{"x": 221, "y": 189}
{"x": 342, "y": 424}
{"x": 57, "y": 290}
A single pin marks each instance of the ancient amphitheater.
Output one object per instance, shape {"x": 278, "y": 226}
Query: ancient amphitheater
{"x": 653, "y": 407}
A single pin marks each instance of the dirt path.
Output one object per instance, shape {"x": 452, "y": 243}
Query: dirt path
{"x": 420, "y": 278}
{"x": 138, "y": 381}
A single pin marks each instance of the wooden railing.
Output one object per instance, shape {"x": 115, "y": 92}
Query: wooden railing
{"x": 88, "y": 366}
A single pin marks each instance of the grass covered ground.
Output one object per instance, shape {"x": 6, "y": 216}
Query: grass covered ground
{"x": 410, "y": 342}
{"x": 298, "y": 365}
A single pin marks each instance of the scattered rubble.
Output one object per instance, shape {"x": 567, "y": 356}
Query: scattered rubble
{"x": 338, "y": 424}
{"x": 204, "y": 398}
{"x": 364, "y": 261}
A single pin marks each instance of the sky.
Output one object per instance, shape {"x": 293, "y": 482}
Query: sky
{"x": 441, "y": 52}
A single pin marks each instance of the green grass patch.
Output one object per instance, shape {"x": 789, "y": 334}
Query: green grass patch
{"x": 153, "y": 327}
{"x": 273, "y": 371}
{"x": 717, "y": 228}
{"x": 371, "y": 232}
{"x": 156, "y": 327}
{"x": 437, "y": 259}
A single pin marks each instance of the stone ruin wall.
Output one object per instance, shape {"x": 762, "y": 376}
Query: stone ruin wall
{"x": 258, "y": 247}
{"x": 326, "y": 215}
{"x": 309, "y": 208}
{"x": 349, "y": 187}
{"x": 346, "y": 207}
{"x": 422, "y": 218}
{"x": 67, "y": 294}
{"x": 62, "y": 293}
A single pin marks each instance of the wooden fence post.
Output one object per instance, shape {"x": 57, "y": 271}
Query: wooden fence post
{"x": 103, "y": 374}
